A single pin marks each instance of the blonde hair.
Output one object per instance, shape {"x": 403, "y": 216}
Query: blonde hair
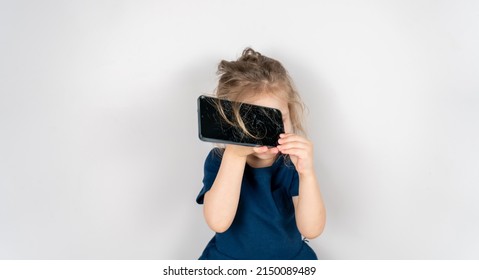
{"x": 254, "y": 74}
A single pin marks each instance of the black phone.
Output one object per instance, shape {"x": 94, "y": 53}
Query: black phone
{"x": 263, "y": 124}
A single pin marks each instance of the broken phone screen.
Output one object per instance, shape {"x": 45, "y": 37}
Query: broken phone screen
{"x": 261, "y": 126}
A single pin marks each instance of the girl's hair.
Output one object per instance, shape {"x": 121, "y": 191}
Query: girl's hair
{"x": 254, "y": 74}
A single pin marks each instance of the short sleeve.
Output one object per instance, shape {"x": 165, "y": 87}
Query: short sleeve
{"x": 294, "y": 187}
{"x": 211, "y": 167}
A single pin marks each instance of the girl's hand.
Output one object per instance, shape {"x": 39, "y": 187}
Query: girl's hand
{"x": 300, "y": 150}
{"x": 244, "y": 151}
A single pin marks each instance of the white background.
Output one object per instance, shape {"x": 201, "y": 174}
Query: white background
{"x": 99, "y": 154}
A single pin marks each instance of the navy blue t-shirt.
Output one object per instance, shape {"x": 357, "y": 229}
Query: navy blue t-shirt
{"x": 264, "y": 226}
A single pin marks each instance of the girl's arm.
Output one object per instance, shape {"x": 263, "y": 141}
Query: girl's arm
{"x": 221, "y": 201}
{"x": 309, "y": 207}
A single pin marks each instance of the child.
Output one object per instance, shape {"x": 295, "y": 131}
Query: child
{"x": 257, "y": 202}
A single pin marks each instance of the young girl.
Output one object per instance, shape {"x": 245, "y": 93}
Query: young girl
{"x": 257, "y": 202}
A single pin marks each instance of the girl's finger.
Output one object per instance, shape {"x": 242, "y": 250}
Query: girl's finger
{"x": 265, "y": 149}
{"x": 295, "y": 152}
{"x": 290, "y": 145}
{"x": 261, "y": 149}
{"x": 273, "y": 150}
{"x": 292, "y": 137}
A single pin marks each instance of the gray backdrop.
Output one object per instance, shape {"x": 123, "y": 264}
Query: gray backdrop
{"x": 99, "y": 154}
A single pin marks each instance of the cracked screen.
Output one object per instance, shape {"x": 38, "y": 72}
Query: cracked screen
{"x": 263, "y": 124}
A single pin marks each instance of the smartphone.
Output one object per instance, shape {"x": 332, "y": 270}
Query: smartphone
{"x": 263, "y": 124}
